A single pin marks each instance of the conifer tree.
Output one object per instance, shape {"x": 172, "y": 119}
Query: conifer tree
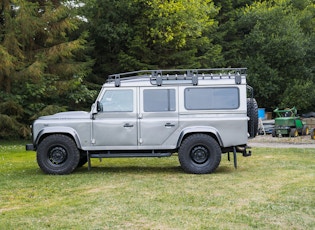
{"x": 42, "y": 61}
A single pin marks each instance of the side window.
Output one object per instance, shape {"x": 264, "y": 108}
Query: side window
{"x": 159, "y": 100}
{"x": 117, "y": 101}
{"x": 211, "y": 98}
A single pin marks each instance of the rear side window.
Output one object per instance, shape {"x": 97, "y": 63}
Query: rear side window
{"x": 159, "y": 100}
{"x": 211, "y": 98}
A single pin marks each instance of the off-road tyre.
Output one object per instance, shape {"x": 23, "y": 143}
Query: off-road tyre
{"x": 313, "y": 134}
{"x": 305, "y": 130}
{"x": 199, "y": 154}
{"x": 294, "y": 133}
{"x": 58, "y": 154}
{"x": 252, "y": 113}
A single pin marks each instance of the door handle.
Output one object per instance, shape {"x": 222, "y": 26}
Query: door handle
{"x": 169, "y": 125}
{"x": 127, "y": 125}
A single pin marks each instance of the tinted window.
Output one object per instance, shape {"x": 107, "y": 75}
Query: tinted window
{"x": 211, "y": 98}
{"x": 117, "y": 101}
{"x": 159, "y": 100}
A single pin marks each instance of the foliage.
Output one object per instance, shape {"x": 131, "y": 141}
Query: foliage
{"x": 41, "y": 63}
{"x": 110, "y": 23}
{"x": 277, "y": 51}
{"x": 230, "y": 35}
{"x": 141, "y": 34}
{"x": 54, "y": 55}
{"x": 175, "y": 34}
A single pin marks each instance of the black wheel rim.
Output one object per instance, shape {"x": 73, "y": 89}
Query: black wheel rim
{"x": 57, "y": 155}
{"x": 199, "y": 154}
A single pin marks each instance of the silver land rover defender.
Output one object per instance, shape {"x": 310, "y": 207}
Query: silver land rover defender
{"x": 198, "y": 114}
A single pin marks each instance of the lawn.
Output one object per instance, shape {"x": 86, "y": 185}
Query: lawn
{"x": 273, "y": 189}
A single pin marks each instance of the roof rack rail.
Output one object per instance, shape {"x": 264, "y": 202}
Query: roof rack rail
{"x": 190, "y": 76}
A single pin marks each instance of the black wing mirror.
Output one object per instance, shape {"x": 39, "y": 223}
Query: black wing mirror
{"x": 99, "y": 106}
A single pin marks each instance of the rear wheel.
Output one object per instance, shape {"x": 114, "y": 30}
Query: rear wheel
{"x": 294, "y": 132}
{"x": 313, "y": 134}
{"x": 305, "y": 130}
{"x": 199, "y": 154}
{"x": 58, "y": 154}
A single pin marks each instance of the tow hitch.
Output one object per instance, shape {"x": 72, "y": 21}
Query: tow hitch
{"x": 239, "y": 149}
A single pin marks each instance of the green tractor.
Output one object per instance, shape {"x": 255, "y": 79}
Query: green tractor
{"x": 287, "y": 123}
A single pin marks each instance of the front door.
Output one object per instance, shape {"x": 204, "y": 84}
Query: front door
{"x": 115, "y": 126}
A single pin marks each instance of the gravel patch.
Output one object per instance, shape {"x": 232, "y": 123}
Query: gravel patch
{"x": 267, "y": 141}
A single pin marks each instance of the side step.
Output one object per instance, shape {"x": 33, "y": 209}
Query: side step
{"x": 110, "y": 154}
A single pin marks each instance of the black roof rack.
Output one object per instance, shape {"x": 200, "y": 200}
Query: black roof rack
{"x": 188, "y": 76}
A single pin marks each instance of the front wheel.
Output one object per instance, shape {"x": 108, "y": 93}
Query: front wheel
{"x": 199, "y": 154}
{"x": 58, "y": 154}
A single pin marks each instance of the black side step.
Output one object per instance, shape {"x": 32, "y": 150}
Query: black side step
{"x": 110, "y": 154}
{"x": 122, "y": 155}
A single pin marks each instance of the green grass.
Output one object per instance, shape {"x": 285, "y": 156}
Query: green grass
{"x": 273, "y": 189}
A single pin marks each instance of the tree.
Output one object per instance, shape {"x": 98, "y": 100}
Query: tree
{"x": 141, "y": 34}
{"x": 41, "y": 63}
{"x": 230, "y": 35}
{"x": 174, "y": 34}
{"x": 277, "y": 52}
{"x": 111, "y": 24}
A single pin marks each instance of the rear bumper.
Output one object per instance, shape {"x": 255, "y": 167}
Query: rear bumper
{"x": 239, "y": 149}
{"x": 30, "y": 147}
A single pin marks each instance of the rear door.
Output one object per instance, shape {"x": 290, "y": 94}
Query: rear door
{"x": 158, "y": 115}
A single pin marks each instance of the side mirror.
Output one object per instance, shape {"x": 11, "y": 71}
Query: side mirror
{"x": 99, "y": 106}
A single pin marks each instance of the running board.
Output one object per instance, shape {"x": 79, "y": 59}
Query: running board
{"x": 110, "y": 154}
{"x": 122, "y": 155}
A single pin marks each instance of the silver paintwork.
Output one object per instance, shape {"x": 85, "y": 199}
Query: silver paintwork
{"x": 140, "y": 130}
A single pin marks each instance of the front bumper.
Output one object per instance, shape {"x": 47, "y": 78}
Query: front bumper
{"x": 30, "y": 147}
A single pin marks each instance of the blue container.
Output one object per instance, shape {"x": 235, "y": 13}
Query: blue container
{"x": 261, "y": 113}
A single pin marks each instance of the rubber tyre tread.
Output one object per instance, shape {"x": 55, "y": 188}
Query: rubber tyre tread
{"x": 313, "y": 134}
{"x": 305, "y": 130}
{"x": 58, "y": 140}
{"x": 252, "y": 113}
{"x": 293, "y": 133}
{"x": 188, "y": 165}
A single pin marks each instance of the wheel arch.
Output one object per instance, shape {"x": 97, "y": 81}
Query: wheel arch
{"x": 211, "y": 131}
{"x": 70, "y": 132}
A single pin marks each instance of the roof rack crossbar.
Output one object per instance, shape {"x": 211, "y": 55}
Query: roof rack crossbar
{"x": 157, "y": 77}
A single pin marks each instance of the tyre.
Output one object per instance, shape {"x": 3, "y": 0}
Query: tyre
{"x": 313, "y": 134}
{"x": 58, "y": 154}
{"x": 274, "y": 134}
{"x": 252, "y": 113}
{"x": 305, "y": 130}
{"x": 199, "y": 154}
{"x": 294, "y": 133}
